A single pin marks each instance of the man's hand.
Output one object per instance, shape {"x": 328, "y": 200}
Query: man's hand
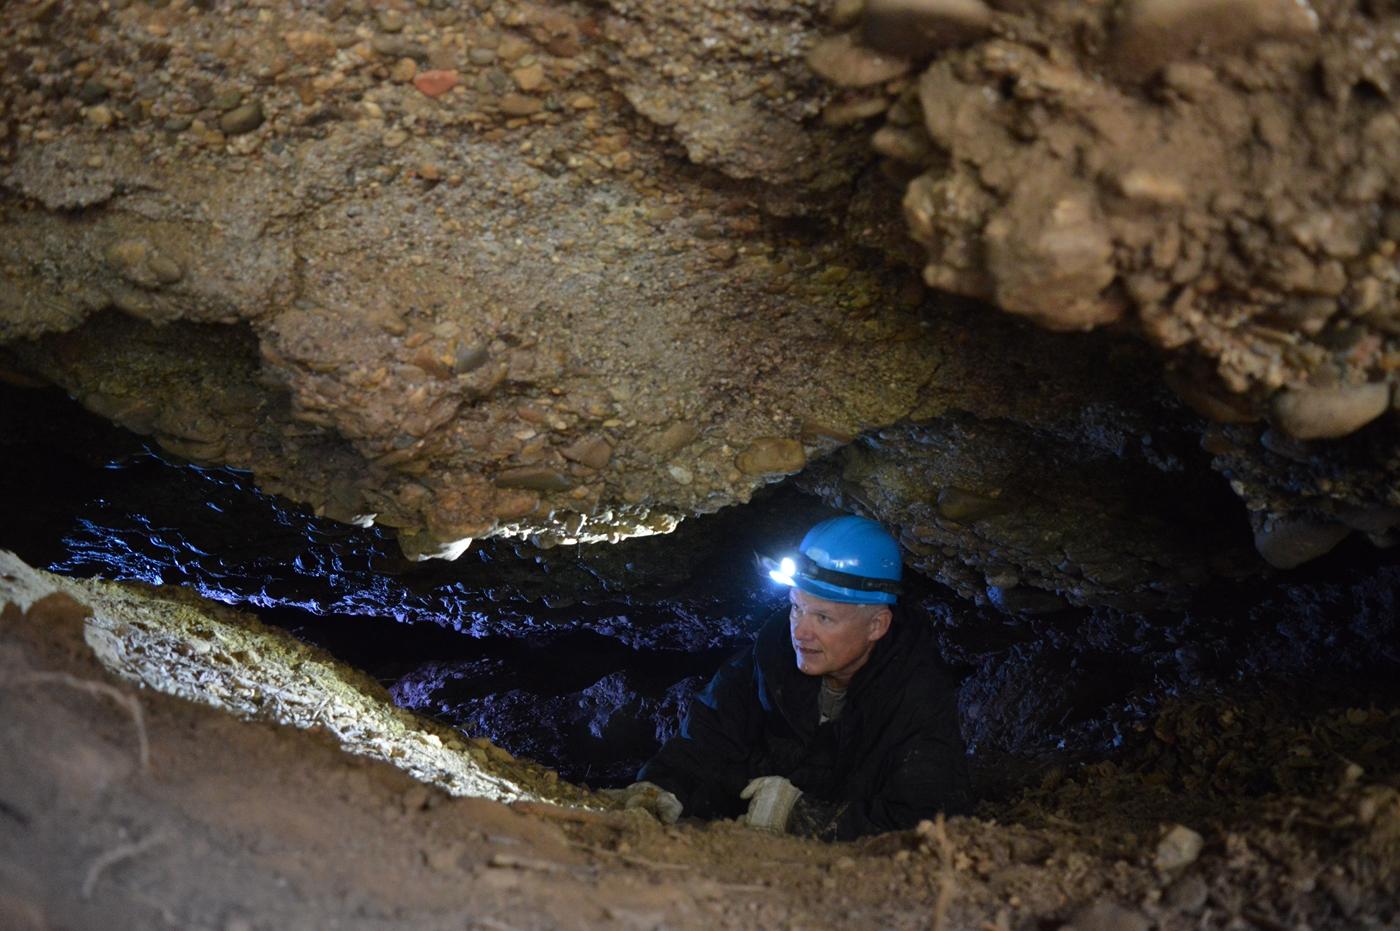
{"x": 649, "y": 797}
{"x": 770, "y": 803}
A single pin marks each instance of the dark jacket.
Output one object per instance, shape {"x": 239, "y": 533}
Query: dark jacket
{"x": 892, "y": 758}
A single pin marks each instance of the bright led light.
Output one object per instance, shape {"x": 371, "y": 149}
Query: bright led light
{"x": 783, "y": 574}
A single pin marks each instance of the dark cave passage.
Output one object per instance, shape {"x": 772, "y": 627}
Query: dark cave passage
{"x": 583, "y": 658}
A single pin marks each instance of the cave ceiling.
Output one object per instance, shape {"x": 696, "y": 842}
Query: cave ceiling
{"x": 1093, "y": 303}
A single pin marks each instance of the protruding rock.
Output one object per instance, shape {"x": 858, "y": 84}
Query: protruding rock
{"x": 1155, "y": 32}
{"x": 673, "y": 439}
{"x": 1327, "y": 413}
{"x": 141, "y": 263}
{"x": 1203, "y": 398}
{"x": 1051, "y": 258}
{"x": 436, "y": 82}
{"x": 841, "y": 60}
{"x": 534, "y": 478}
{"x": 591, "y": 451}
{"x": 1178, "y": 848}
{"x": 242, "y": 119}
{"x": 772, "y": 455}
{"x": 920, "y": 28}
{"x": 1287, "y": 544}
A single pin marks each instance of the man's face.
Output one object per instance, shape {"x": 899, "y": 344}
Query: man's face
{"x": 832, "y": 639}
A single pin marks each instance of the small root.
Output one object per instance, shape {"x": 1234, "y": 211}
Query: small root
{"x": 945, "y": 876}
{"x": 93, "y": 687}
{"x": 116, "y": 855}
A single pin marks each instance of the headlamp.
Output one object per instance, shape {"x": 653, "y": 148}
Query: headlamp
{"x": 787, "y": 570}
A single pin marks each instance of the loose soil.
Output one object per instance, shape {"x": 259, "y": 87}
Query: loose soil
{"x": 240, "y": 824}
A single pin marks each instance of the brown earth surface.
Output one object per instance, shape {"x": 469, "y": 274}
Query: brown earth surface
{"x": 125, "y": 807}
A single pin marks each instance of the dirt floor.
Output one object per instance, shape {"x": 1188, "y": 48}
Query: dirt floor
{"x": 123, "y": 807}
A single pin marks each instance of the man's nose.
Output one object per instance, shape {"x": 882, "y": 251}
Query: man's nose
{"x": 802, "y": 628}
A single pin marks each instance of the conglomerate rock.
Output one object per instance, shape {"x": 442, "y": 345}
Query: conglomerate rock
{"x": 1215, "y": 176}
{"x": 577, "y": 271}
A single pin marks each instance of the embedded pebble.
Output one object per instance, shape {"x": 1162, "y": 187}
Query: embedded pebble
{"x": 772, "y": 455}
{"x": 674, "y": 438}
{"x": 437, "y": 82}
{"x": 514, "y": 104}
{"x": 1328, "y": 413}
{"x": 1188, "y": 894}
{"x": 919, "y": 28}
{"x": 1287, "y": 544}
{"x": 591, "y": 451}
{"x": 1155, "y": 32}
{"x": 534, "y": 478}
{"x": 1180, "y": 847}
{"x": 530, "y": 78}
{"x": 841, "y": 60}
{"x": 242, "y": 119}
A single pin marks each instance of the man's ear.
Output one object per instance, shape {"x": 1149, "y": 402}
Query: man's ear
{"x": 880, "y": 623}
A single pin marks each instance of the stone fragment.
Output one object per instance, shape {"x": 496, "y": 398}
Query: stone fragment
{"x": 1328, "y": 413}
{"x": 1217, "y": 405}
{"x": 436, "y": 82}
{"x": 309, "y": 46}
{"x": 772, "y": 455}
{"x": 530, "y": 78}
{"x": 469, "y": 359}
{"x": 534, "y": 478}
{"x": 846, "y": 13}
{"x": 512, "y": 48}
{"x": 1287, "y": 543}
{"x": 404, "y": 70}
{"x": 844, "y": 112}
{"x": 1107, "y": 916}
{"x": 1152, "y": 188}
{"x": 100, "y": 116}
{"x": 1178, "y": 848}
{"x": 1152, "y": 33}
{"x": 1188, "y": 894}
{"x": 514, "y": 104}
{"x": 1051, "y": 258}
{"x": 840, "y": 60}
{"x": 674, "y": 438}
{"x": 592, "y": 451}
{"x": 92, "y": 93}
{"x": 390, "y": 20}
{"x": 242, "y": 119}
{"x": 138, "y": 261}
{"x": 921, "y": 28}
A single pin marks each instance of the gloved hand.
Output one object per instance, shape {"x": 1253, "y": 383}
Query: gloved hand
{"x": 770, "y": 803}
{"x": 649, "y": 797}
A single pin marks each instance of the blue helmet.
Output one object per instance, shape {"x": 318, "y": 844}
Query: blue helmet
{"x": 847, "y": 559}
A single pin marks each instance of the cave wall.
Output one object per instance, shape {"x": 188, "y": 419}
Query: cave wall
{"x": 574, "y": 272}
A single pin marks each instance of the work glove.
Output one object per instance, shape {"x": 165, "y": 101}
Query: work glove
{"x": 770, "y": 803}
{"x": 649, "y": 797}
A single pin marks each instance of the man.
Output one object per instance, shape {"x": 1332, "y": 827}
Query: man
{"x": 836, "y": 723}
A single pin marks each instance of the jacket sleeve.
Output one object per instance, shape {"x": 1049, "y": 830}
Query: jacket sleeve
{"x": 706, "y": 765}
{"x": 924, "y": 773}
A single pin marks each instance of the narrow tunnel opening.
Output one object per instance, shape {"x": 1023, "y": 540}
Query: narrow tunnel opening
{"x": 584, "y": 658}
